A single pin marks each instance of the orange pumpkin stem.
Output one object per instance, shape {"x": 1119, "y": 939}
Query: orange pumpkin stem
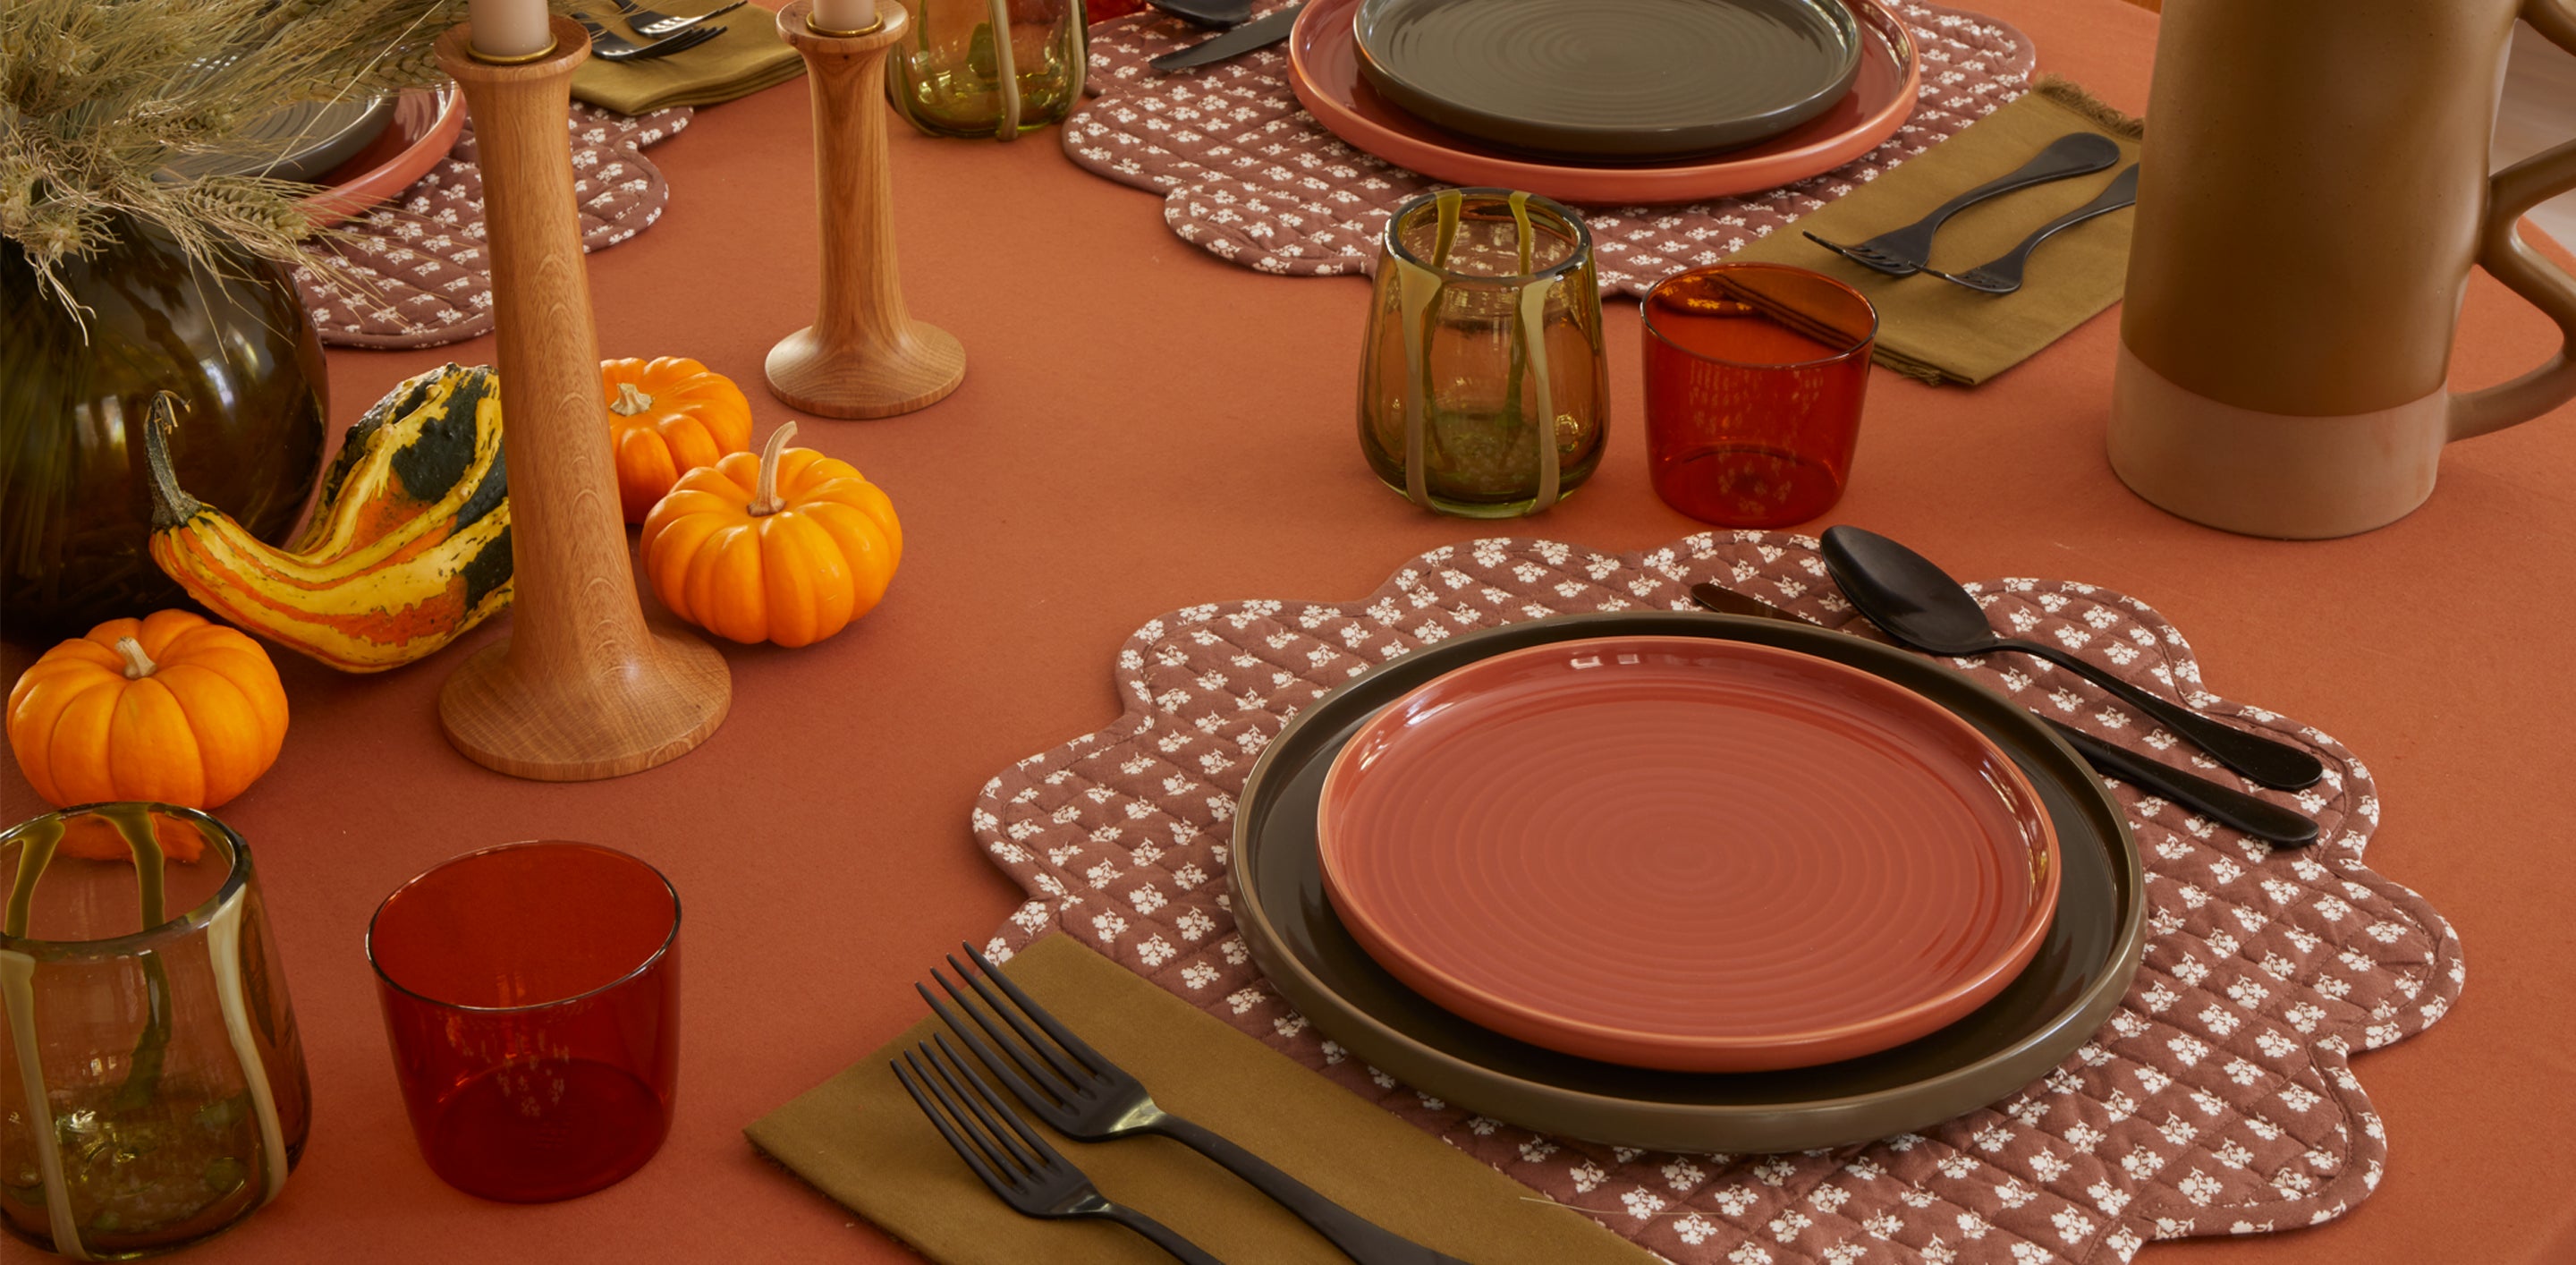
{"x": 629, "y": 401}
{"x": 138, "y": 665}
{"x": 764, "y": 496}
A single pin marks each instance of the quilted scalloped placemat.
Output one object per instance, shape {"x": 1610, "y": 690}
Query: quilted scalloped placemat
{"x": 419, "y": 257}
{"x": 1249, "y": 176}
{"x": 2218, "y": 1100}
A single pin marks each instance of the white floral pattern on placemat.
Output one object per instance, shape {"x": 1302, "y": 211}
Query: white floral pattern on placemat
{"x": 2217, "y": 1100}
{"x": 422, "y": 253}
{"x": 1249, "y": 176}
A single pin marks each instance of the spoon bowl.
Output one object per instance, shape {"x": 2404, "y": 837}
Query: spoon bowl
{"x": 1918, "y": 604}
{"x": 1211, "y": 13}
{"x": 1903, "y": 593}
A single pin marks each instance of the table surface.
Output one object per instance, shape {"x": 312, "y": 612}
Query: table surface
{"x": 1143, "y": 427}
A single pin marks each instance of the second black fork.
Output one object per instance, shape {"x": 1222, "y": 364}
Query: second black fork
{"x": 1081, "y": 1094}
{"x": 1902, "y": 252}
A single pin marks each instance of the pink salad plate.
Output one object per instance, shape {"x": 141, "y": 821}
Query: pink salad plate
{"x": 1324, "y": 69}
{"x": 1675, "y": 853}
{"x": 425, "y": 125}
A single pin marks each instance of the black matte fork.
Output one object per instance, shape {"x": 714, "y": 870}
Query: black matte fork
{"x": 1030, "y": 1176}
{"x": 1904, "y": 251}
{"x": 651, "y": 23}
{"x": 1086, "y": 1096}
{"x": 2002, "y": 275}
{"x": 607, "y": 45}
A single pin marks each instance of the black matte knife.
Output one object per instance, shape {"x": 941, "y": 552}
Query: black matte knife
{"x": 1261, "y": 32}
{"x": 2225, "y": 805}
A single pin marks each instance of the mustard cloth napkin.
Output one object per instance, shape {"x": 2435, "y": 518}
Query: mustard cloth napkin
{"x": 1939, "y": 332}
{"x": 748, "y": 57}
{"x": 860, "y": 1140}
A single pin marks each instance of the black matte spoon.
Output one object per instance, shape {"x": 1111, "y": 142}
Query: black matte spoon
{"x": 2225, "y": 805}
{"x": 1220, "y": 14}
{"x": 1918, "y": 604}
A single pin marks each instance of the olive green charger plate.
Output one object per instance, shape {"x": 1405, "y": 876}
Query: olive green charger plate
{"x": 2065, "y": 995}
{"x": 1620, "y": 81}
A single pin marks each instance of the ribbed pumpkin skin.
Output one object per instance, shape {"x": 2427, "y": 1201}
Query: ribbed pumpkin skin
{"x": 793, "y": 577}
{"x": 196, "y": 732}
{"x": 691, "y": 417}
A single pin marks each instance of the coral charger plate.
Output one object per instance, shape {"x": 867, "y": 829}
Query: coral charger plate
{"x": 1676, "y": 853}
{"x": 1324, "y": 72}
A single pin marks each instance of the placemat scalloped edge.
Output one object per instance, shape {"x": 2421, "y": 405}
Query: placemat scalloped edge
{"x": 1251, "y": 211}
{"x": 1996, "y": 1184}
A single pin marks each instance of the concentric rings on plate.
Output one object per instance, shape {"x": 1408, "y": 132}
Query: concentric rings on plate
{"x": 1677, "y": 853}
{"x": 1611, "y": 80}
{"x": 1324, "y": 71}
{"x": 2073, "y": 983}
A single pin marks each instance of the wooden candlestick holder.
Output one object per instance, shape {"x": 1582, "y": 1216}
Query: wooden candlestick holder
{"x": 863, "y": 356}
{"x": 581, "y": 688}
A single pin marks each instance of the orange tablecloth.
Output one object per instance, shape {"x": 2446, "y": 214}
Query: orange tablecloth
{"x": 1143, "y": 427}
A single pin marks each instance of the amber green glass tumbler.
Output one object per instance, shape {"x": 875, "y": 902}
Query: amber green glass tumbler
{"x": 1483, "y": 387}
{"x": 152, "y": 1087}
{"x": 954, "y": 76}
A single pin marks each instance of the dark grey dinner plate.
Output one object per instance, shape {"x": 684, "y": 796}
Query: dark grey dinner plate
{"x": 2064, "y": 996}
{"x": 297, "y": 141}
{"x": 1620, "y": 81}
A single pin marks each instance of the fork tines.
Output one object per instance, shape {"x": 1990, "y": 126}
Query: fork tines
{"x": 607, "y": 45}
{"x": 1070, "y": 1066}
{"x": 650, "y": 22}
{"x": 1977, "y": 278}
{"x": 1866, "y": 256}
{"x": 1005, "y": 1152}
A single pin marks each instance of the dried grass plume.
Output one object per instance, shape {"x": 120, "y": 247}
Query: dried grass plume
{"x": 98, "y": 96}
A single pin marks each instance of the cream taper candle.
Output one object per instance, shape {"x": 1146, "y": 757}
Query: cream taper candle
{"x": 510, "y": 30}
{"x": 844, "y": 16}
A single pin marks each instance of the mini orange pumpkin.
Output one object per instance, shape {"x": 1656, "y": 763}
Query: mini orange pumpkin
{"x": 167, "y": 707}
{"x": 668, "y": 416}
{"x": 788, "y": 547}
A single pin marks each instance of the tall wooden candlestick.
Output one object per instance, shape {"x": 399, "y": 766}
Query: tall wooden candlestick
{"x": 582, "y": 688}
{"x": 863, "y": 356}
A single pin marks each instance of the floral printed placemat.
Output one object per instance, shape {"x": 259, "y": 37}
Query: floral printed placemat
{"x": 2218, "y": 1100}
{"x": 1249, "y": 176}
{"x": 420, "y": 256}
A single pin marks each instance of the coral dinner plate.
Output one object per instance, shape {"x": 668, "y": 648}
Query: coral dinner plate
{"x": 1678, "y": 853}
{"x": 2073, "y": 983}
{"x": 425, "y": 125}
{"x": 1324, "y": 69}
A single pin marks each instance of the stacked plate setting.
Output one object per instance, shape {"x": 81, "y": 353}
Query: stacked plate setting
{"x": 1688, "y": 882}
{"x": 1614, "y": 101}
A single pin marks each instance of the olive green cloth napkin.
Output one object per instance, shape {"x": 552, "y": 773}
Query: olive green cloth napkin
{"x": 748, "y": 57}
{"x": 859, "y": 1138}
{"x": 1939, "y": 332}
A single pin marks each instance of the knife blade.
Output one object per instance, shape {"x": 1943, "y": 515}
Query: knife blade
{"x": 1261, "y": 32}
{"x": 2225, "y": 805}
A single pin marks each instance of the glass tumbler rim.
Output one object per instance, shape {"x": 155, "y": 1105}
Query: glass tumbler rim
{"x": 1646, "y": 315}
{"x": 1391, "y": 240}
{"x": 638, "y": 971}
{"x": 177, "y": 927}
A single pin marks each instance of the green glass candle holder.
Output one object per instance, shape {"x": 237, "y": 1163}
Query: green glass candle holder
{"x": 1484, "y": 388}
{"x": 990, "y": 68}
{"x": 152, "y": 1085}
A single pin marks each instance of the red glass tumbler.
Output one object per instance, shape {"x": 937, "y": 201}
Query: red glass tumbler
{"x": 532, "y": 995}
{"x": 1754, "y": 379}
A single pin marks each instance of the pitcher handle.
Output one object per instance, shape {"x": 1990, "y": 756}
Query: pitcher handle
{"x": 2501, "y": 252}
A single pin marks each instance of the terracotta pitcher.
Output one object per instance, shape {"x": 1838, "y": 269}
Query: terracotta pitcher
{"x": 2315, "y": 191}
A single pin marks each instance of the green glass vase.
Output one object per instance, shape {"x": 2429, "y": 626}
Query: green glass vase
{"x": 237, "y": 347}
{"x": 955, "y": 77}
